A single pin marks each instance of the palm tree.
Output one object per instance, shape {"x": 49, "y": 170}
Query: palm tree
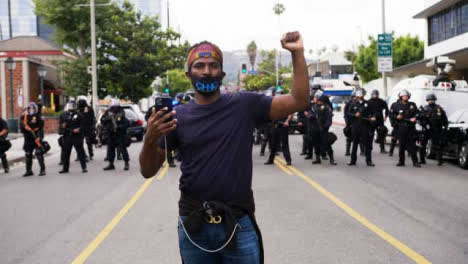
{"x": 252, "y": 51}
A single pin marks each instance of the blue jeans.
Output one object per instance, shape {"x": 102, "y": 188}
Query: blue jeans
{"x": 212, "y": 237}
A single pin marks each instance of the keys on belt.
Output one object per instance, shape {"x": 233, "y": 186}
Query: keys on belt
{"x": 209, "y": 217}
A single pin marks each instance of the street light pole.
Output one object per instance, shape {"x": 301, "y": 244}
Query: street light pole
{"x": 9, "y": 20}
{"x": 12, "y": 122}
{"x": 93, "y": 55}
{"x": 384, "y": 74}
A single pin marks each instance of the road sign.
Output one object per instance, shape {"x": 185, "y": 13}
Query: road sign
{"x": 253, "y": 72}
{"x": 384, "y": 52}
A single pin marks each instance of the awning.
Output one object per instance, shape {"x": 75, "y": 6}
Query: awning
{"x": 419, "y": 67}
{"x": 436, "y": 8}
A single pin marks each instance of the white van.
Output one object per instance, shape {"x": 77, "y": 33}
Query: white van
{"x": 451, "y": 99}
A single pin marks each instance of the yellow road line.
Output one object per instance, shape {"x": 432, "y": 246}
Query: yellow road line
{"x": 279, "y": 165}
{"x": 113, "y": 223}
{"x": 163, "y": 172}
{"x": 382, "y": 234}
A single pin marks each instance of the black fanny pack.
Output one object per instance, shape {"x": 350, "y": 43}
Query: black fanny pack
{"x": 199, "y": 213}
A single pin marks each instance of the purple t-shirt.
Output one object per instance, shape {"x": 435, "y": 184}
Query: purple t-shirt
{"x": 215, "y": 142}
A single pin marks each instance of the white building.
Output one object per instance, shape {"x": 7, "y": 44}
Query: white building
{"x": 446, "y": 34}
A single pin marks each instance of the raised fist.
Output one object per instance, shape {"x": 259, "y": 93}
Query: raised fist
{"x": 292, "y": 41}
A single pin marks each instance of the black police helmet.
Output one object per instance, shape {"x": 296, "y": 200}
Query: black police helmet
{"x": 431, "y": 96}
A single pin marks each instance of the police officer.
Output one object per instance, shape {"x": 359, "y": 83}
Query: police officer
{"x": 434, "y": 121}
{"x": 394, "y": 133}
{"x": 302, "y": 122}
{"x": 266, "y": 131}
{"x": 362, "y": 117}
{"x": 406, "y": 114}
{"x": 89, "y": 121}
{"x": 72, "y": 129}
{"x": 320, "y": 120}
{"x": 381, "y": 111}
{"x": 4, "y": 145}
{"x": 348, "y": 122}
{"x": 115, "y": 125}
{"x": 280, "y": 138}
{"x": 31, "y": 125}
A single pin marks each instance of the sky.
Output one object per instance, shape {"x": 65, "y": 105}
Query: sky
{"x": 344, "y": 23}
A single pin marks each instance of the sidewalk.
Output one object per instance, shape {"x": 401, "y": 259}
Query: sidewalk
{"x": 16, "y": 153}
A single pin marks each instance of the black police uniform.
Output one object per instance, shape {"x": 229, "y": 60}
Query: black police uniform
{"x": 381, "y": 112}
{"x": 70, "y": 122}
{"x": 394, "y": 133}
{"x": 406, "y": 132}
{"x": 115, "y": 127}
{"x": 302, "y": 118}
{"x": 434, "y": 121}
{"x": 320, "y": 120}
{"x": 361, "y": 129}
{"x": 266, "y": 132}
{"x": 35, "y": 123}
{"x": 348, "y": 127}
{"x": 280, "y": 137}
{"x": 3, "y": 146}
{"x": 89, "y": 129}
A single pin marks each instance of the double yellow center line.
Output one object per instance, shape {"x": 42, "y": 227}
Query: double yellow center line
{"x": 382, "y": 234}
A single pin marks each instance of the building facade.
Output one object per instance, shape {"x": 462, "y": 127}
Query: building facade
{"x": 446, "y": 35}
{"x": 23, "y": 21}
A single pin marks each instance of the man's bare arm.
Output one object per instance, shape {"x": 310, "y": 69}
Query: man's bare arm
{"x": 151, "y": 156}
{"x": 298, "y": 100}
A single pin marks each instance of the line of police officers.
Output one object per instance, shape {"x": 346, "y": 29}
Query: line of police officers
{"x": 365, "y": 120}
{"x": 76, "y": 126}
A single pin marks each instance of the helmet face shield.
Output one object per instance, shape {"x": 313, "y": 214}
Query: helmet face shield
{"x": 32, "y": 109}
{"x": 71, "y": 106}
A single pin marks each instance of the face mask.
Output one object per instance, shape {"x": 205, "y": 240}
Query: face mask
{"x": 207, "y": 85}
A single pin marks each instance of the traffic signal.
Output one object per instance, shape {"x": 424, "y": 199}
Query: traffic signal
{"x": 244, "y": 68}
{"x": 278, "y": 88}
{"x": 166, "y": 88}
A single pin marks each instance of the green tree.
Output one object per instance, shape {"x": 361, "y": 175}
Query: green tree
{"x": 76, "y": 80}
{"x": 178, "y": 82}
{"x": 72, "y": 22}
{"x": 406, "y": 49}
{"x": 266, "y": 77}
{"x": 134, "y": 50}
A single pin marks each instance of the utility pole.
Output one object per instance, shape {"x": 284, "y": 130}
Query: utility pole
{"x": 384, "y": 74}
{"x": 168, "y": 23}
{"x": 93, "y": 56}
{"x": 9, "y": 19}
{"x": 94, "y": 92}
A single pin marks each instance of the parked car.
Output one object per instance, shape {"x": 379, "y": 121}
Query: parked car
{"x": 456, "y": 139}
{"x": 135, "y": 128}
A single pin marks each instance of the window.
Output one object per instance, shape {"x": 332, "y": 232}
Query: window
{"x": 448, "y": 23}
{"x": 464, "y": 17}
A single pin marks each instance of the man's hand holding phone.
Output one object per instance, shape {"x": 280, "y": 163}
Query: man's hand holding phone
{"x": 160, "y": 124}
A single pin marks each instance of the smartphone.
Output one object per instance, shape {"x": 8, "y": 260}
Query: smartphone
{"x": 162, "y": 102}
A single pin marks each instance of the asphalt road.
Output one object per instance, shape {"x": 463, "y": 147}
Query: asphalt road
{"x": 308, "y": 213}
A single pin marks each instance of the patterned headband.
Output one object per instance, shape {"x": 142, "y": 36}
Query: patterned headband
{"x": 205, "y": 50}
